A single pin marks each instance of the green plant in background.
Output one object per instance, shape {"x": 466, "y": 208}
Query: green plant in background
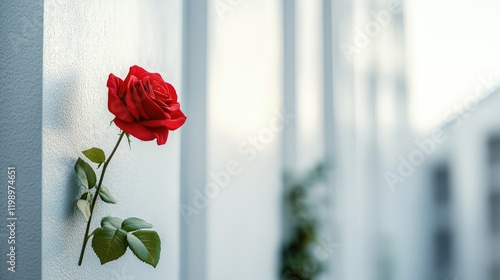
{"x": 302, "y": 224}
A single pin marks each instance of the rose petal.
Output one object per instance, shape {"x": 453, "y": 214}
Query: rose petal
{"x": 177, "y": 114}
{"x": 173, "y": 107}
{"x": 172, "y": 92}
{"x": 136, "y": 130}
{"x": 168, "y": 107}
{"x": 134, "y": 71}
{"x": 171, "y": 124}
{"x": 152, "y": 108}
{"x": 129, "y": 100}
{"x": 114, "y": 83}
{"x": 115, "y": 105}
{"x": 145, "y": 134}
{"x": 138, "y": 95}
{"x": 161, "y": 135}
{"x": 137, "y": 71}
{"x": 153, "y": 76}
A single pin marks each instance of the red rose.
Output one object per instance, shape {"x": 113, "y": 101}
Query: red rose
{"x": 144, "y": 105}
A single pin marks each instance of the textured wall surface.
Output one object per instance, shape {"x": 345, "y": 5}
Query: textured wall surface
{"x": 83, "y": 43}
{"x": 21, "y": 31}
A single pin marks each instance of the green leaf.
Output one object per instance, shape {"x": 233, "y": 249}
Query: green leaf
{"x": 132, "y": 224}
{"x": 84, "y": 207}
{"x": 112, "y": 222}
{"x": 90, "y": 235}
{"x": 85, "y": 175}
{"x": 87, "y": 196}
{"x": 95, "y": 155}
{"x": 109, "y": 243}
{"x": 106, "y": 195}
{"x": 146, "y": 245}
{"x": 81, "y": 177}
{"x": 84, "y": 196}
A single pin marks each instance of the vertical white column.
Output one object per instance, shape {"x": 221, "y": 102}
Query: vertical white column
{"x": 194, "y": 141}
{"x": 329, "y": 139}
{"x": 289, "y": 82}
{"x": 309, "y": 79}
{"x": 343, "y": 114}
{"x": 245, "y": 123}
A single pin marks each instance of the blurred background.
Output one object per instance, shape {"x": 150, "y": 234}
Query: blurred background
{"x": 326, "y": 139}
{"x": 399, "y": 97}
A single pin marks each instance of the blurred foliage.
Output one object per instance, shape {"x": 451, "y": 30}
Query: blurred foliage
{"x": 301, "y": 211}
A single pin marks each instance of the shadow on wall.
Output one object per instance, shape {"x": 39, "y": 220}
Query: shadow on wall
{"x": 59, "y": 113}
{"x": 70, "y": 192}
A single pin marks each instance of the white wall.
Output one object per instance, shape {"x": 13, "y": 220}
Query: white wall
{"x": 83, "y": 43}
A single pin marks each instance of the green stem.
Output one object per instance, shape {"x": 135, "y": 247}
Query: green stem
{"x": 94, "y": 201}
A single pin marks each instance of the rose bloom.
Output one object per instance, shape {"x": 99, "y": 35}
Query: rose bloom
{"x": 144, "y": 105}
